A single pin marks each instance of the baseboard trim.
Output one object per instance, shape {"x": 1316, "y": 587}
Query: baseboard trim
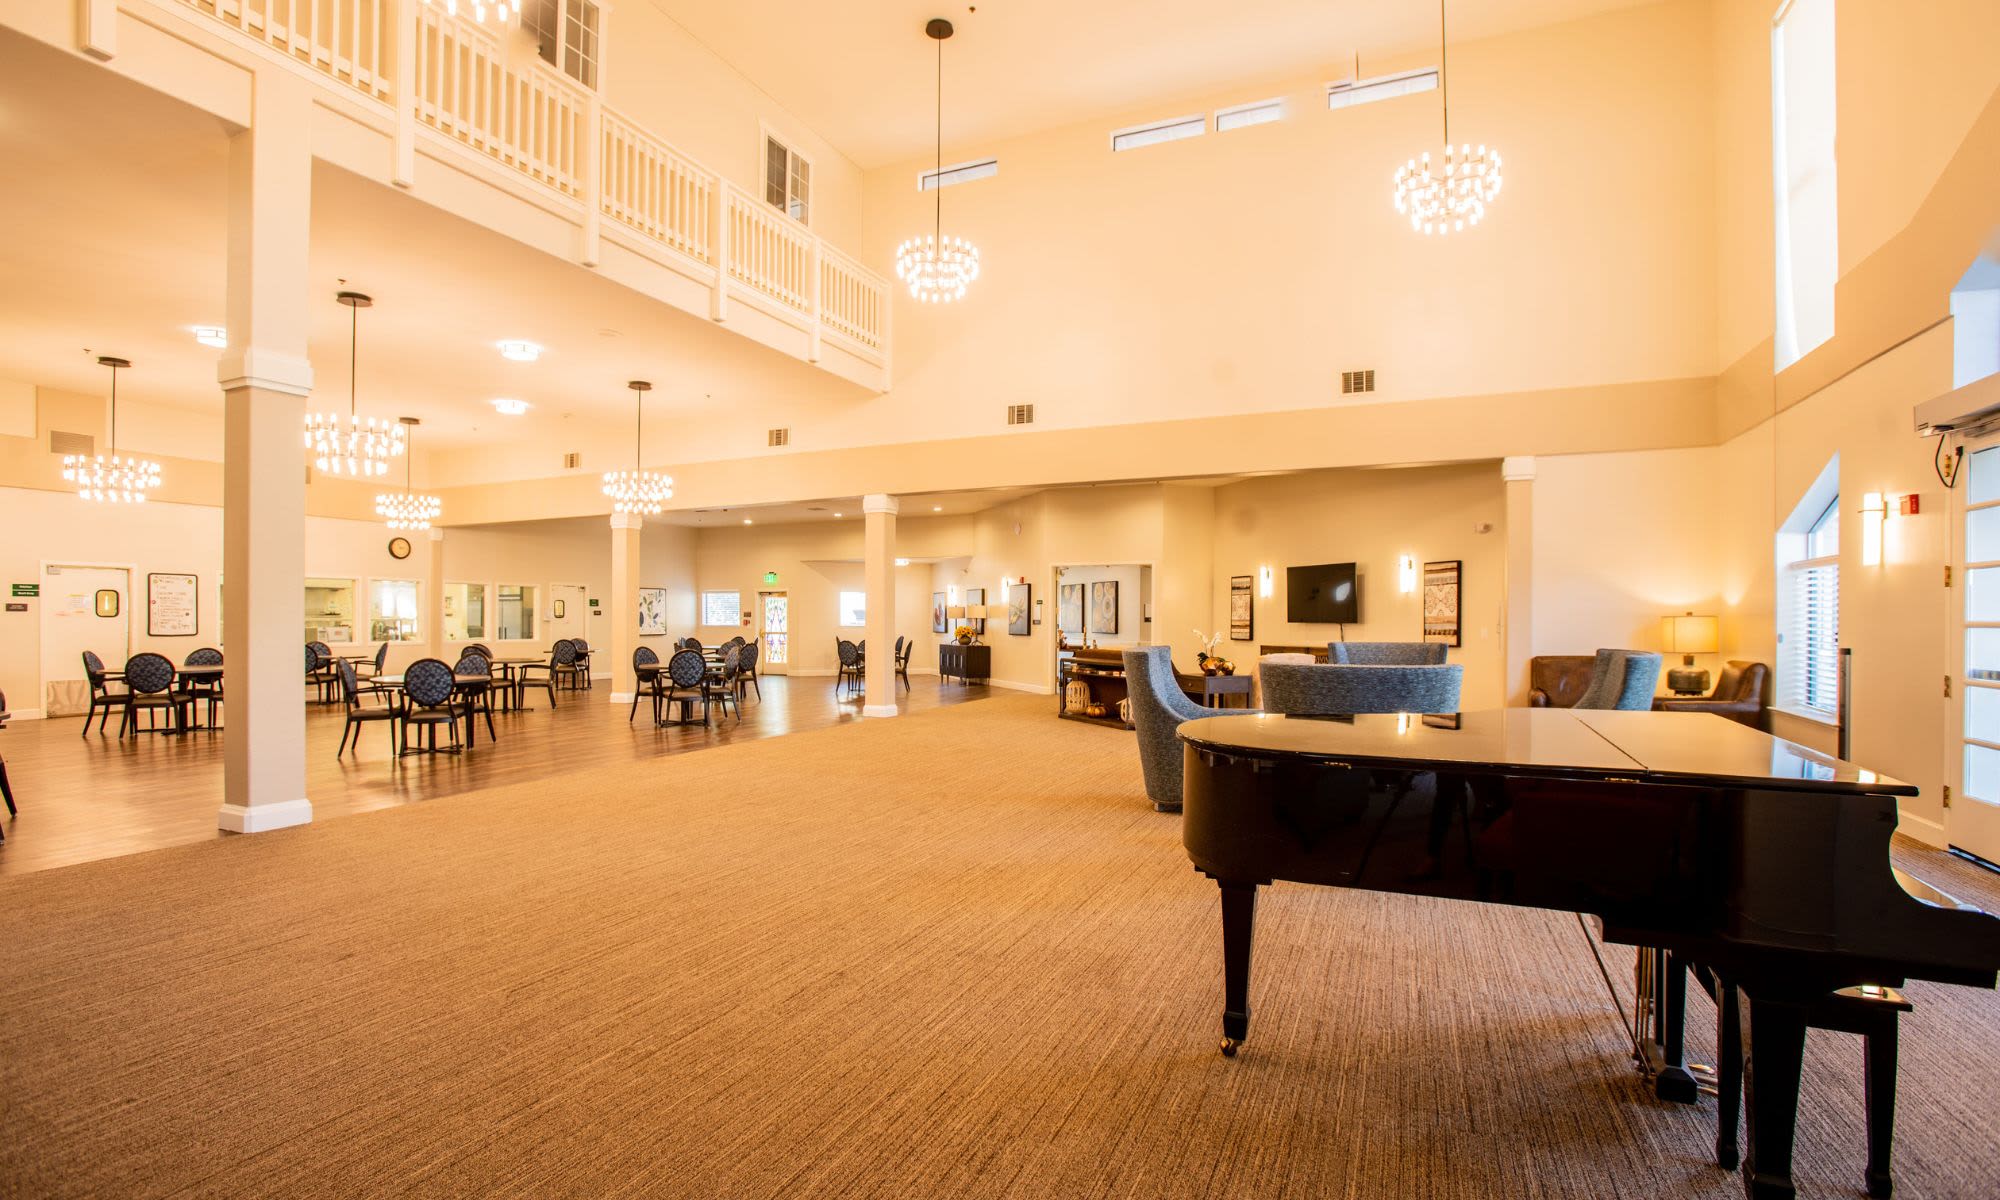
{"x": 878, "y": 710}
{"x": 32, "y": 714}
{"x": 1925, "y": 830}
{"x": 621, "y": 698}
{"x": 1039, "y": 689}
{"x": 262, "y": 818}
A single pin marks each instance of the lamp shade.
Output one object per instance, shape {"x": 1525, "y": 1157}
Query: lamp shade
{"x": 1689, "y": 634}
{"x": 955, "y": 612}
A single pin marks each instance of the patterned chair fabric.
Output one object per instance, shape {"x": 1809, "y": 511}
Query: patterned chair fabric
{"x": 428, "y": 682}
{"x": 1340, "y": 689}
{"x": 207, "y": 656}
{"x": 1623, "y": 679}
{"x": 644, "y": 656}
{"x": 312, "y": 659}
{"x": 93, "y": 666}
{"x": 381, "y": 657}
{"x": 472, "y": 663}
{"x": 850, "y": 654}
{"x": 1158, "y": 709}
{"x": 564, "y": 653}
{"x": 480, "y": 649}
{"x": 1386, "y": 654}
{"x": 350, "y": 683}
{"x": 322, "y": 653}
{"x": 686, "y": 669}
{"x": 149, "y": 674}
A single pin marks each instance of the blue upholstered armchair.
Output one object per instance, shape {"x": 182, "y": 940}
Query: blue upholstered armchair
{"x": 1158, "y": 708}
{"x": 1622, "y": 679}
{"x": 1341, "y": 688}
{"x": 1386, "y": 654}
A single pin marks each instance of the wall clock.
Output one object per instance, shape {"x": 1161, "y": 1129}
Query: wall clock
{"x": 399, "y": 547}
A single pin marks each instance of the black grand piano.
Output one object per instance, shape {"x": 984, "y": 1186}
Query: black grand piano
{"x": 1762, "y": 861}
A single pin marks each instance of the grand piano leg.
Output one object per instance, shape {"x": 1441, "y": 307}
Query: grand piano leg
{"x": 1239, "y": 919}
{"x": 1728, "y": 1075}
{"x": 1673, "y": 1081}
{"x": 1774, "y": 1041}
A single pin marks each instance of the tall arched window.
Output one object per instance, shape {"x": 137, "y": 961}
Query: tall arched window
{"x": 1808, "y": 557}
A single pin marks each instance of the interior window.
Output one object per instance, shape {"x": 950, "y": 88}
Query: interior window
{"x": 517, "y": 612}
{"x": 787, "y": 181}
{"x": 392, "y": 610}
{"x": 329, "y": 611}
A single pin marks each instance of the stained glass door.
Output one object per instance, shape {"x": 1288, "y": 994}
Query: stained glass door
{"x": 776, "y": 631}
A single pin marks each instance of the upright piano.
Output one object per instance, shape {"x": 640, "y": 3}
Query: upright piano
{"x": 1759, "y": 858}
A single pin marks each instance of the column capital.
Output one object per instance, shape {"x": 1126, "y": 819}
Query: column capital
{"x": 437, "y": 535}
{"x": 628, "y": 520}
{"x": 268, "y": 369}
{"x": 1517, "y": 468}
{"x": 879, "y": 503}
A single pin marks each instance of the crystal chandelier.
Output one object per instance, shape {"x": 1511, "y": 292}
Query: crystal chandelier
{"x": 353, "y": 447}
{"x": 637, "y": 490}
{"x": 938, "y": 268}
{"x": 1448, "y": 196}
{"x": 503, "y": 12}
{"x": 110, "y": 478}
{"x": 408, "y": 509}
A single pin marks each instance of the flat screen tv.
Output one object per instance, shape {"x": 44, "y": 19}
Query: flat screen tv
{"x": 1322, "y": 595}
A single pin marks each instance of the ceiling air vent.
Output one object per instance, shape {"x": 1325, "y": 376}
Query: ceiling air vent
{"x": 70, "y": 443}
{"x": 1357, "y": 381}
{"x": 1020, "y": 414}
{"x": 779, "y": 437}
{"x": 572, "y": 461}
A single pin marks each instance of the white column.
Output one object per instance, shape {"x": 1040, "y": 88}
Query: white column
{"x": 97, "y": 28}
{"x": 879, "y": 557}
{"x": 265, "y": 378}
{"x": 626, "y": 531}
{"x": 1517, "y": 627}
{"x": 403, "y": 44}
{"x": 434, "y": 599}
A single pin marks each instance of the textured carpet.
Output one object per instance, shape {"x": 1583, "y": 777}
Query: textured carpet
{"x": 954, "y": 954}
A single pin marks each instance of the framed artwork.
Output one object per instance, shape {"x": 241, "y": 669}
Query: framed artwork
{"x": 1242, "y": 612}
{"x": 652, "y": 612}
{"x": 1441, "y": 601}
{"x": 1104, "y": 606}
{"x": 172, "y": 609}
{"x": 1069, "y": 608}
{"x": 973, "y": 598}
{"x": 1019, "y": 605}
{"x": 937, "y": 612}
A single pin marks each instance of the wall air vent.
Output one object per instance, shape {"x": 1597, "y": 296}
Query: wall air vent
{"x": 1357, "y": 381}
{"x": 572, "y": 461}
{"x": 71, "y": 443}
{"x": 1020, "y": 414}
{"x": 779, "y": 437}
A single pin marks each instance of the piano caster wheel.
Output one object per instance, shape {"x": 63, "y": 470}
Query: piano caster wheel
{"x": 1229, "y": 1047}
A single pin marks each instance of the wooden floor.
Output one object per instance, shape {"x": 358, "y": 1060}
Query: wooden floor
{"x": 84, "y": 798}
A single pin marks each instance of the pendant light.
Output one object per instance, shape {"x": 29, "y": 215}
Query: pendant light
{"x": 111, "y": 479}
{"x": 408, "y": 509}
{"x": 1454, "y": 194}
{"x": 638, "y": 490}
{"x": 503, "y": 12}
{"x": 356, "y": 448}
{"x": 937, "y": 268}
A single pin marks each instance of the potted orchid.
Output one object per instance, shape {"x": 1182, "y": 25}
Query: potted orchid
{"x": 1211, "y": 662}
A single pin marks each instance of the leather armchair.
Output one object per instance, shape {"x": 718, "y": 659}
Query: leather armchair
{"x": 1738, "y": 695}
{"x": 1558, "y": 680}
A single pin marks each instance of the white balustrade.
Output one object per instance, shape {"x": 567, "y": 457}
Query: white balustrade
{"x": 531, "y": 120}
{"x": 651, "y": 188}
{"x": 346, "y": 40}
{"x": 852, "y": 298}
{"x": 768, "y": 251}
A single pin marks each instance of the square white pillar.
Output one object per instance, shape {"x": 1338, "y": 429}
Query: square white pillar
{"x": 879, "y": 555}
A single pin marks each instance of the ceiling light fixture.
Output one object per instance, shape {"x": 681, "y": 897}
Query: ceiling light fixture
{"x": 212, "y": 335}
{"x": 510, "y": 408}
{"x": 503, "y": 12}
{"x": 1447, "y": 198}
{"x": 111, "y": 479}
{"x": 359, "y": 448}
{"x": 937, "y": 268}
{"x": 748, "y": 521}
{"x": 408, "y": 509}
{"x": 638, "y": 490}
{"x": 520, "y": 351}
{"x": 937, "y": 508}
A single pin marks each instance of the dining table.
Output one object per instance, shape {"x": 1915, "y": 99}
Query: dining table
{"x": 459, "y": 679}
{"x": 510, "y": 685}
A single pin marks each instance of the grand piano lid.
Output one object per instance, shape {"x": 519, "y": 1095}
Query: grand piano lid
{"x": 1662, "y": 747}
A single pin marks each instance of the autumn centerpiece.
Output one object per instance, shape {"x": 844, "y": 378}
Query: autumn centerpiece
{"x": 963, "y": 635}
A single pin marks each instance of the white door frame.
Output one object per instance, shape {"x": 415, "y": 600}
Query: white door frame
{"x": 791, "y": 637}
{"x": 1972, "y": 818}
{"x": 582, "y": 619}
{"x": 42, "y": 619}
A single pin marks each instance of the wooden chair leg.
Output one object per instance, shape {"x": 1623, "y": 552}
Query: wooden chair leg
{"x": 7, "y": 790}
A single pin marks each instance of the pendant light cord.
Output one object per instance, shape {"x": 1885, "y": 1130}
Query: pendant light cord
{"x": 353, "y": 357}
{"x": 1444, "y": 76}
{"x": 638, "y": 428}
{"x": 114, "y": 412}
{"x": 937, "y": 177}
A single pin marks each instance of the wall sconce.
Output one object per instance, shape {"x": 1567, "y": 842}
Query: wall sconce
{"x": 1006, "y": 585}
{"x": 951, "y": 595}
{"x": 1407, "y": 573}
{"x": 1873, "y": 514}
{"x": 1264, "y": 582}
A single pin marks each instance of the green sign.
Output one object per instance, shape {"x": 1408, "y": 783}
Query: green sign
{"x": 770, "y": 577}
{"x": 27, "y": 589}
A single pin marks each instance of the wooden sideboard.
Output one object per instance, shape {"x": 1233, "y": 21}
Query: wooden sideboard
{"x": 1103, "y": 673}
{"x": 964, "y": 663}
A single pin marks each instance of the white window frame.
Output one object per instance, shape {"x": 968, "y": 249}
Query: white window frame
{"x": 486, "y": 610}
{"x": 1350, "y": 93}
{"x": 793, "y": 153}
{"x": 357, "y": 591}
{"x": 1803, "y": 310}
{"x": 1175, "y": 129}
{"x": 735, "y": 608}
{"x": 1809, "y": 659}
{"x": 563, "y": 49}
{"x": 1257, "y": 112}
{"x": 957, "y": 173}
{"x": 530, "y": 605}
{"x": 840, "y": 611}
{"x": 414, "y": 630}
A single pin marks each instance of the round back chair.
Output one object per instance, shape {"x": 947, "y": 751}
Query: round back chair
{"x": 149, "y": 674}
{"x": 350, "y": 685}
{"x": 472, "y": 663}
{"x": 749, "y": 657}
{"x": 207, "y": 656}
{"x": 312, "y": 659}
{"x": 480, "y": 649}
{"x": 322, "y": 653}
{"x": 93, "y": 666}
{"x": 564, "y": 653}
{"x": 850, "y": 654}
{"x": 427, "y": 682}
{"x": 686, "y": 668}
{"x": 582, "y": 647}
{"x": 691, "y": 643}
{"x": 381, "y": 657}
{"x": 644, "y": 657}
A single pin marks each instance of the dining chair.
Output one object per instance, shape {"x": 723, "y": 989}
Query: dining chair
{"x": 477, "y": 697}
{"x": 428, "y": 701}
{"x": 480, "y": 649}
{"x": 646, "y": 669}
{"x": 102, "y": 698}
{"x": 691, "y": 643}
{"x": 574, "y": 673}
{"x": 746, "y": 675}
{"x": 207, "y": 690}
{"x": 686, "y": 672}
{"x": 561, "y": 659}
{"x": 149, "y": 687}
{"x": 719, "y": 686}
{"x": 351, "y": 691}
{"x": 850, "y": 666}
{"x": 903, "y": 660}
{"x": 319, "y": 671}
{"x": 582, "y": 662}
{"x": 6, "y": 789}
{"x": 377, "y": 666}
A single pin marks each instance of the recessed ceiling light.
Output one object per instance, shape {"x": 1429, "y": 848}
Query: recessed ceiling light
{"x": 902, "y": 562}
{"x": 212, "y": 335}
{"x": 520, "y": 351}
{"x": 510, "y": 407}
{"x": 937, "y": 508}
{"x": 748, "y": 521}
{"x": 837, "y": 516}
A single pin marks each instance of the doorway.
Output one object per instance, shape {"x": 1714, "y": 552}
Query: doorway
{"x": 1972, "y": 805}
{"x": 568, "y": 602}
{"x": 84, "y": 606}
{"x": 774, "y": 626}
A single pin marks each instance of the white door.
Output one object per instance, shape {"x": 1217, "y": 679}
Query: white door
{"x": 1972, "y": 812}
{"x": 569, "y": 605}
{"x": 775, "y": 631}
{"x": 83, "y": 608}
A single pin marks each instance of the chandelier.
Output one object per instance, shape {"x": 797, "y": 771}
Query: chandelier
{"x": 408, "y": 509}
{"x": 111, "y": 479}
{"x": 503, "y": 12}
{"x": 1446, "y": 197}
{"x": 353, "y": 447}
{"x": 637, "y": 490}
{"x": 938, "y": 268}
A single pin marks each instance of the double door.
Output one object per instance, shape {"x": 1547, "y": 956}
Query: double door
{"x": 1972, "y": 769}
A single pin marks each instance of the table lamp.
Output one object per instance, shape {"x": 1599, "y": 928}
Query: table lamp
{"x": 1688, "y": 635}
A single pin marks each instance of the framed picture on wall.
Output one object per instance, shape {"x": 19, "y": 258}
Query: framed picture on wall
{"x": 171, "y": 607}
{"x": 1069, "y": 608}
{"x": 1104, "y": 606}
{"x": 652, "y": 612}
{"x": 1441, "y": 601}
{"x": 975, "y": 597}
{"x": 937, "y": 612}
{"x": 1242, "y": 612}
{"x": 1018, "y": 607}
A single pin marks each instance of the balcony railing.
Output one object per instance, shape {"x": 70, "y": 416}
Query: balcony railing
{"x": 434, "y": 72}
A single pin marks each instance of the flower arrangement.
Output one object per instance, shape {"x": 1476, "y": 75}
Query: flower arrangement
{"x": 1211, "y": 662}
{"x": 963, "y": 635}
